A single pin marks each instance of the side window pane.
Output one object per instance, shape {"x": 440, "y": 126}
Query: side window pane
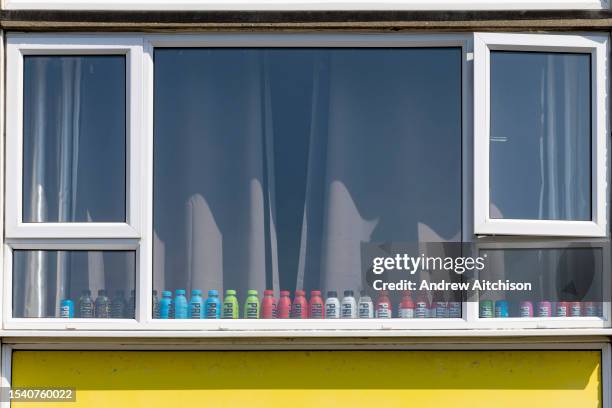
{"x": 556, "y": 282}
{"x": 540, "y": 146}
{"x": 89, "y": 283}
{"x": 274, "y": 166}
{"x": 74, "y": 139}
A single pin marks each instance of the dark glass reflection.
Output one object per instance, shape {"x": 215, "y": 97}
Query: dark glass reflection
{"x": 540, "y": 167}
{"x": 74, "y": 133}
{"x": 273, "y": 166}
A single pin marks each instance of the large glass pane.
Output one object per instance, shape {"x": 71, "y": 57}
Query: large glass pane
{"x": 74, "y": 139}
{"x": 540, "y": 148}
{"x": 74, "y": 284}
{"x": 274, "y": 166}
{"x": 552, "y": 282}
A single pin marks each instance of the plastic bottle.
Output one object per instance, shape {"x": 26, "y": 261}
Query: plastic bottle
{"x": 501, "y": 309}
{"x": 575, "y": 309}
{"x": 118, "y": 305}
{"x": 332, "y": 305}
{"x": 102, "y": 305}
{"x": 422, "y": 307}
{"x": 196, "y": 305}
{"x": 544, "y": 309}
{"x": 165, "y": 305}
{"x": 213, "y": 305}
{"x": 230, "y": 305}
{"x": 66, "y": 309}
{"x": 348, "y": 305}
{"x": 383, "y": 307}
{"x": 406, "y": 307}
{"x": 487, "y": 309}
{"x": 299, "y": 309}
{"x": 526, "y": 309}
{"x": 439, "y": 308}
{"x": 181, "y": 307}
{"x": 365, "y": 307}
{"x": 86, "y": 305}
{"x": 251, "y": 305}
{"x": 316, "y": 307}
{"x": 268, "y": 305}
{"x": 562, "y": 309}
{"x": 283, "y": 309}
{"x": 454, "y": 310}
{"x": 132, "y": 301}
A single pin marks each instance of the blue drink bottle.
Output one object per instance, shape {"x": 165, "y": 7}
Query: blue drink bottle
{"x": 181, "y": 307}
{"x": 213, "y": 305}
{"x": 165, "y": 305}
{"x": 196, "y": 305}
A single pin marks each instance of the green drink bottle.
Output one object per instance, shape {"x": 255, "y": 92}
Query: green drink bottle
{"x": 230, "y": 305}
{"x": 251, "y": 305}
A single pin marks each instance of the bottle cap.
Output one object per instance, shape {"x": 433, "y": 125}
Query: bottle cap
{"x": 363, "y": 292}
{"x": 252, "y": 292}
{"x": 179, "y": 292}
{"x": 332, "y": 293}
{"x": 213, "y": 292}
{"x": 102, "y": 292}
{"x": 133, "y": 292}
{"x": 119, "y": 292}
{"x": 196, "y": 292}
{"x": 315, "y": 293}
{"x": 268, "y": 292}
{"x": 166, "y": 293}
{"x": 285, "y": 293}
{"x": 86, "y": 292}
{"x": 230, "y": 292}
{"x": 300, "y": 293}
{"x": 348, "y": 293}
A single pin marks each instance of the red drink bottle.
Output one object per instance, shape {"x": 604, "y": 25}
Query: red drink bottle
{"x": 268, "y": 305}
{"x": 299, "y": 309}
{"x": 316, "y": 308}
{"x": 283, "y": 310}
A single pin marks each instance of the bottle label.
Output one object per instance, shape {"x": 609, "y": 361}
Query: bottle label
{"x": 316, "y": 310}
{"x": 348, "y": 311}
{"x": 196, "y": 310}
{"x": 383, "y": 311}
{"x": 252, "y": 310}
{"x": 421, "y": 310}
{"x": 406, "y": 313}
{"x": 228, "y": 310}
{"x": 365, "y": 310}
{"x": 211, "y": 310}
{"x": 454, "y": 310}
{"x": 331, "y": 311}
{"x": 65, "y": 311}
{"x": 526, "y": 311}
{"x": 296, "y": 313}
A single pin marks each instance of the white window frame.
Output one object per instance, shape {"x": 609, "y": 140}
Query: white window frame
{"x": 66, "y": 236}
{"x": 20, "y": 45}
{"x": 597, "y": 46}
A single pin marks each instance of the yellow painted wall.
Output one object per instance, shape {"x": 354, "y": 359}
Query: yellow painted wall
{"x": 294, "y": 379}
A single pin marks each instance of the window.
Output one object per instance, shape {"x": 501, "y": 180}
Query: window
{"x": 73, "y": 137}
{"x": 251, "y": 168}
{"x": 564, "y": 283}
{"x": 540, "y": 135}
{"x": 273, "y": 166}
{"x": 74, "y": 284}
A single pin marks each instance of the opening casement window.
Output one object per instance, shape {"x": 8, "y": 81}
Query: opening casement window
{"x": 73, "y": 134}
{"x": 540, "y": 134}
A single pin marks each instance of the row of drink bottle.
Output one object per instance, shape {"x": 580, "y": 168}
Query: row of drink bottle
{"x": 103, "y": 307}
{"x": 348, "y": 307}
{"x": 544, "y": 308}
